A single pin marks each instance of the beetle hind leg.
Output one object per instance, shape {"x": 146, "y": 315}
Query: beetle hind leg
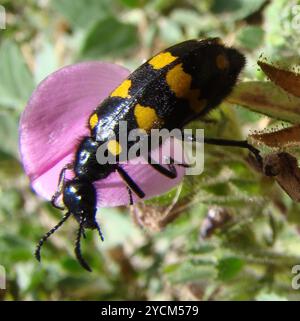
{"x": 230, "y": 143}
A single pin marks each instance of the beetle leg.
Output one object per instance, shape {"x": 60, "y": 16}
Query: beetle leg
{"x": 130, "y": 182}
{"x": 99, "y": 231}
{"x": 130, "y": 196}
{"x": 60, "y": 186}
{"x": 48, "y": 234}
{"x": 136, "y": 217}
{"x": 169, "y": 172}
{"x": 78, "y": 253}
{"x": 229, "y": 143}
{"x": 172, "y": 161}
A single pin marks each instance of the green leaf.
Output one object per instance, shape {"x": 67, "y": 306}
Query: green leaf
{"x": 239, "y": 9}
{"x": 186, "y": 17}
{"x": 117, "y": 227}
{"x": 268, "y": 99}
{"x": 248, "y": 186}
{"x": 109, "y": 37}
{"x": 161, "y": 5}
{"x": 217, "y": 189}
{"x": 82, "y": 13}
{"x": 8, "y": 135}
{"x": 229, "y": 267}
{"x": 46, "y": 62}
{"x": 16, "y": 83}
{"x": 131, "y": 3}
{"x": 189, "y": 21}
{"x": 170, "y": 32}
{"x": 250, "y": 37}
{"x": 9, "y": 166}
{"x": 265, "y": 296}
{"x": 187, "y": 272}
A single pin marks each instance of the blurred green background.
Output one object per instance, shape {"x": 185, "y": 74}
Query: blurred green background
{"x": 250, "y": 255}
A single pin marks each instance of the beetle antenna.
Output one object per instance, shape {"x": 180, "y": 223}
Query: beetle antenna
{"x": 99, "y": 231}
{"x": 37, "y": 253}
{"x": 78, "y": 248}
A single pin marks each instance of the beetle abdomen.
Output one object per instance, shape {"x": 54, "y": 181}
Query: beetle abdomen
{"x": 178, "y": 84}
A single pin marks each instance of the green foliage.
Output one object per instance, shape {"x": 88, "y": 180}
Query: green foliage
{"x": 250, "y": 37}
{"x": 118, "y": 37}
{"x": 16, "y": 82}
{"x": 249, "y": 255}
{"x": 82, "y": 13}
{"x": 229, "y": 267}
{"x": 237, "y": 9}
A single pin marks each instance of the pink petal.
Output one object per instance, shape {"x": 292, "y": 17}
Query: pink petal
{"x": 56, "y": 115}
{"x": 56, "y": 118}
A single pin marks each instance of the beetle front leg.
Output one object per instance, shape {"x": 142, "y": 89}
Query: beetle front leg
{"x": 60, "y": 186}
{"x": 130, "y": 183}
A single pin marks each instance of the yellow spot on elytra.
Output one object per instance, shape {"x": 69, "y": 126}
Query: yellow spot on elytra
{"x": 222, "y": 61}
{"x": 180, "y": 83}
{"x": 122, "y": 90}
{"x": 93, "y": 121}
{"x": 146, "y": 117}
{"x": 161, "y": 60}
{"x": 114, "y": 147}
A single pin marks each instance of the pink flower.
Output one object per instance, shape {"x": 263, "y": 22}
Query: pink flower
{"x": 56, "y": 118}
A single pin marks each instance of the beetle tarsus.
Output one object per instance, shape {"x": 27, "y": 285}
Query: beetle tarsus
{"x": 78, "y": 253}
{"x": 99, "y": 231}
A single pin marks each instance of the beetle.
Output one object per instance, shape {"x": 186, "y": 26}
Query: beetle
{"x": 179, "y": 84}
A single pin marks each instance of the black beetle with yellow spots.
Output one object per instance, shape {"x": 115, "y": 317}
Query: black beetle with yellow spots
{"x": 181, "y": 83}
